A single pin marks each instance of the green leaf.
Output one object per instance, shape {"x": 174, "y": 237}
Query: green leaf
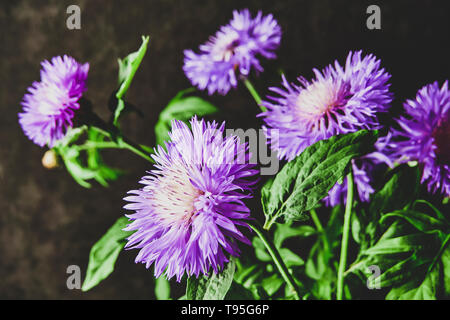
{"x": 445, "y": 259}
{"x": 430, "y": 286}
{"x": 180, "y": 108}
{"x": 104, "y": 254}
{"x": 243, "y": 271}
{"x": 75, "y": 158}
{"x": 128, "y": 67}
{"x": 356, "y": 227}
{"x": 427, "y": 290}
{"x": 260, "y": 250}
{"x": 80, "y": 174}
{"x": 162, "y": 289}
{"x": 398, "y": 192}
{"x": 408, "y": 255}
{"x": 70, "y": 156}
{"x": 304, "y": 181}
{"x": 397, "y": 271}
{"x": 438, "y": 214}
{"x": 247, "y": 278}
{"x": 422, "y": 222}
{"x": 72, "y": 135}
{"x": 272, "y": 284}
{"x": 333, "y": 230}
{"x": 290, "y": 258}
{"x": 103, "y": 173}
{"x": 265, "y": 195}
{"x": 239, "y": 292}
{"x": 212, "y": 287}
{"x": 319, "y": 268}
{"x": 407, "y": 243}
{"x": 120, "y": 107}
{"x": 286, "y": 231}
{"x": 317, "y": 263}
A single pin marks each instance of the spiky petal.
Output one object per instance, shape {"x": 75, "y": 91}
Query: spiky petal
{"x": 339, "y": 100}
{"x": 233, "y": 51}
{"x": 50, "y": 105}
{"x": 424, "y": 134}
{"x": 186, "y": 215}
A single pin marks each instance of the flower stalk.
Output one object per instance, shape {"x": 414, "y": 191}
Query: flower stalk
{"x": 254, "y": 94}
{"x": 117, "y": 138}
{"x": 282, "y": 268}
{"x": 345, "y": 236}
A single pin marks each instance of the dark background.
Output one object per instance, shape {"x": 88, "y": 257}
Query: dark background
{"x": 47, "y": 221}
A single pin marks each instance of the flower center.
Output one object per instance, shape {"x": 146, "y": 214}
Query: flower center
{"x": 47, "y": 109}
{"x": 441, "y": 137}
{"x": 224, "y": 48}
{"x": 174, "y": 198}
{"x": 52, "y": 101}
{"x": 320, "y": 98}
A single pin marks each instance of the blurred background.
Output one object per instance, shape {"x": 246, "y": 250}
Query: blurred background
{"x": 48, "y": 222}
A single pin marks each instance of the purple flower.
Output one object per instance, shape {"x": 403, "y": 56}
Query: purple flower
{"x": 362, "y": 179}
{"x": 363, "y": 169}
{"x": 233, "y": 49}
{"x": 187, "y": 213}
{"x": 49, "y": 105}
{"x": 340, "y": 100}
{"x": 424, "y": 136}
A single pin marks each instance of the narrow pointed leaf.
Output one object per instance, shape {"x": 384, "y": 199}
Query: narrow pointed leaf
{"x": 104, "y": 254}
{"x": 212, "y": 287}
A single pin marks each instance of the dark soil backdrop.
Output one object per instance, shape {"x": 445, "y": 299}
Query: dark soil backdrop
{"x": 47, "y": 221}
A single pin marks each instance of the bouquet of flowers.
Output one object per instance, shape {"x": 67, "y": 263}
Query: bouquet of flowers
{"x": 357, "y": 204}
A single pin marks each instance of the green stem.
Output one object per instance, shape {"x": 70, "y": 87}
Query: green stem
{"x": 274, "y": 218}
{"x": 135, "y": 149}
{"x": 319, "y": 228}
{"x": 441, "y": 250}
{"x": 276, "y": 259}
{"x": 345, "y": 236}
{"x": 354, "y": 266}
{"x": 254, "y": 94}
{"x": 124, "y": 143}
{"x": 269, "y": 223}
{"x": 97, "y": 145}
{"x": 316, "y": 220}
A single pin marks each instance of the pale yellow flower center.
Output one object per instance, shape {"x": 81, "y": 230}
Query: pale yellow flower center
{"x": 175, "y": 196}
{"x": 317, "y": 99}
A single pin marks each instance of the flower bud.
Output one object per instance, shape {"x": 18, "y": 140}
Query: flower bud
{"x": 50, "y": 159}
